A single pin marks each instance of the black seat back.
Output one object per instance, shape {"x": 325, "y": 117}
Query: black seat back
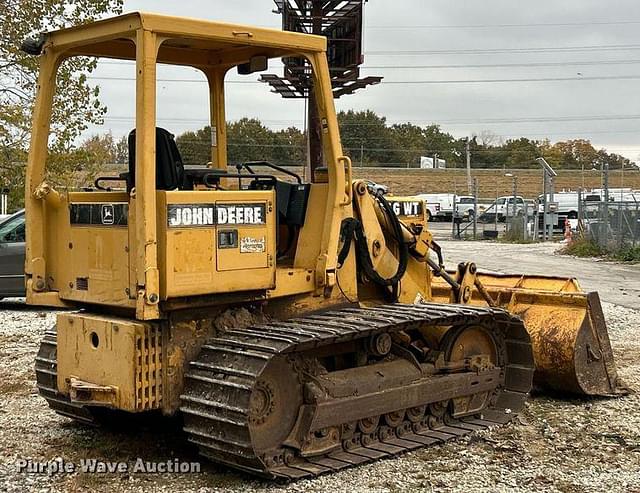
{"x": 169, "y": 166}
{"x": 292, "y": 199}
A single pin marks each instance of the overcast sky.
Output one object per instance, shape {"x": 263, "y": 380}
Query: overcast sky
{"x": 593, "y": 43}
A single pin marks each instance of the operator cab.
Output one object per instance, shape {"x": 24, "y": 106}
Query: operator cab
{"x": 164, "y": 230}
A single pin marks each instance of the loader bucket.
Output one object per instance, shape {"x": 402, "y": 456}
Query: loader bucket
{"x": 571, "y": 345}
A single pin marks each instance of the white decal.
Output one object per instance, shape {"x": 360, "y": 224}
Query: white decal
{"x": 222, "y": 216}
{"x": 419, "y": 300}
{"x": 191, "y": 216}
{"x": 184, "y": 215}
{"x": 240, "y": 214}
{"x": 406, "y": 208}
{"x": 252, "y": 245}
{"x": 107, "y": 214}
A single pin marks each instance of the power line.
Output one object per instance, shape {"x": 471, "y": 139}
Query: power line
{"x": 500, "y": 26}
{"x": 507, "y": 65}
{"x": 368, "y": 149}
{"x": 531, "y": 79}
{"x": 427, "y": 82}
{"x": 465, "y": 66}
{"x": 534, "y": 119}
{"x": 476, "y": 51}
{"x": 201, "y": 81}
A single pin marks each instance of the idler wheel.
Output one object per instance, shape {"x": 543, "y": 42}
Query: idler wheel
{"x": 273, "y": 405}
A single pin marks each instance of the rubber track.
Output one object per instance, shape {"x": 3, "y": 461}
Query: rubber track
{"x": 47, "y": 382}
{"x": 218, "y": 385}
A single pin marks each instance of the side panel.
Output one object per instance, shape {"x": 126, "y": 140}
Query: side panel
{"x": 96, "y": 269}
{"x": 216, "y": 242}
{"x": 110, "y": 361}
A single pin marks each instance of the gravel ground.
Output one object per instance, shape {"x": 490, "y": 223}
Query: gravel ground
{"x": 556, "y": 445}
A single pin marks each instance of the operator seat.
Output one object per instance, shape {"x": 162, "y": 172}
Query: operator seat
{"x": 169, "y": 165}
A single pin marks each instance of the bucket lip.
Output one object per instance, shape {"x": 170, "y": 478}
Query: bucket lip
{"x": 595, "y": 324}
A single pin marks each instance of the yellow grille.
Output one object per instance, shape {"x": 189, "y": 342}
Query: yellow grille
{"x": 148, "y": 368}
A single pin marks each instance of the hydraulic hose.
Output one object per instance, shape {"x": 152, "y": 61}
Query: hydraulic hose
{"x": 352, "y": 229}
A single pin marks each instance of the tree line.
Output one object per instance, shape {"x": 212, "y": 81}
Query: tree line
{"x": 369, "y": 141}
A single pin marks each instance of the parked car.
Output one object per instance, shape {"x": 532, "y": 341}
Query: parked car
{"x": 378, "y": 188}
{"x": 12, "y": 235}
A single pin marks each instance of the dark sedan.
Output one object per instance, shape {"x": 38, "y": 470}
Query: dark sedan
{"x": 12, "y": 234}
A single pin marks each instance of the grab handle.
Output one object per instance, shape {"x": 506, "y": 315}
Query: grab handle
{"x": 348, "y": 189}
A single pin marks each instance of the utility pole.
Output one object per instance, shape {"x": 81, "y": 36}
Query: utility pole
{"x": 545, "y": 211}
{"x": 551, "y": 200}
{"x": 605, "y": 220}
{"x": 548, "y": 174}
{"x": 469, "y": 181}
{"x": 515, "y": 193}
{"x": 475, "y": 208}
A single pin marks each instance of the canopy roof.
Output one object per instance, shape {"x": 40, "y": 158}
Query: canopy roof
{"x": 185, "y": 41}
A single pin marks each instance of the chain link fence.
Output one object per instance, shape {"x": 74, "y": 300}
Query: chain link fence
{"x": 612, "y": 225}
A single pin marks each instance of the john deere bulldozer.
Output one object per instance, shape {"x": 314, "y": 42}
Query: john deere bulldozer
{"x": 298, "y": 328}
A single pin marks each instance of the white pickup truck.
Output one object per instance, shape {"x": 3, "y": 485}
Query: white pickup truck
{"x": 439, "y": 206}
{"x": 465, "y": 207}
{"x": 432, "y": 205}
{"x": 503, "y": 207}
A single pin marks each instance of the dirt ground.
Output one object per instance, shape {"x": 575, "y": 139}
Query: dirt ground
{"x": 557, "y": 444}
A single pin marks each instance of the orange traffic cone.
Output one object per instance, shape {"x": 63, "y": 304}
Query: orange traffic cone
{"x": 568, "y": 234}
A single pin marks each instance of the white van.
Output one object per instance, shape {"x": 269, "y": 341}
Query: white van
{"x": 567, "y": 202}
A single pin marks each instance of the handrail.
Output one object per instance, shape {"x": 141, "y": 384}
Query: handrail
{"x": 348, "y": 179}
{"x": 248, "y": 165}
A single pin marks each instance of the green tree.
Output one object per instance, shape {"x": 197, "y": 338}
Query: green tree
{"x": 442, "y": 144}
{"x": 249, "y": 140}
{"x": 571, "y": 154}
{"x": 410, "y": 142}
{"x": 367, "y": 139}
{"x": 195, "y": 147}
{"x": 122, "y": 151}
{"x": 484, "y": 154}
{"x": 289, "y": 147}
{"x": 615, "y": 161}
{"x": 76, "y": 103}
{"x": 520, "y": 153}
{"x": 101, "y": 149}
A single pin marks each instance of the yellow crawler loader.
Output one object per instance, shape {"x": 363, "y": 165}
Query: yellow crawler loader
{"x": 298, "y": 328}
